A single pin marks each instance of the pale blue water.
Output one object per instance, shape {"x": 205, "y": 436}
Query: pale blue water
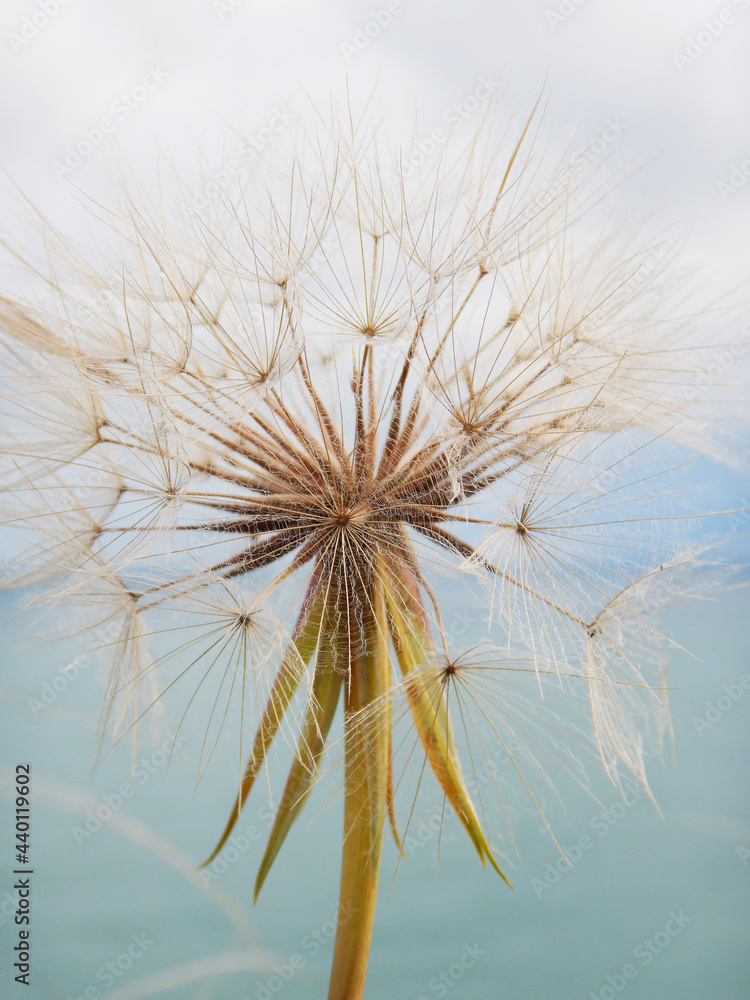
{"x": 558, "y": 939}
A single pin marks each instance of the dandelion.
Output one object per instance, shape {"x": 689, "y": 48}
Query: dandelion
{"x": 323, "y": 396}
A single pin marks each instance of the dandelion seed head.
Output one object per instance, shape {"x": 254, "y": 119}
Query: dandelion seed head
{"x": 338, "y": 385}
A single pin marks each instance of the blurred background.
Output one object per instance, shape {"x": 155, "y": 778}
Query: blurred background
{"x": 657, "y": 906}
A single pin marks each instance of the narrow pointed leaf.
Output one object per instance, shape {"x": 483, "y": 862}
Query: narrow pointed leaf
{"x": 426, "y": 697}
{"x": 320, "y": 712}
{"x": 390, "y": 798}
{"x": 305, "y": 639}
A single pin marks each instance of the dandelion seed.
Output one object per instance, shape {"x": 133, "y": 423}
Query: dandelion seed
{"x": 323, "y": 396}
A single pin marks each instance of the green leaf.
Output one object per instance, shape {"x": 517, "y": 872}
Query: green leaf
{"x": 319, "y": 717}
{"x": 426, "y": 697}
{"x": 304, "y": 642}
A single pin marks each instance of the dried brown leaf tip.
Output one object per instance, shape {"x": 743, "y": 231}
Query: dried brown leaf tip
{"x": 250, "y": 444}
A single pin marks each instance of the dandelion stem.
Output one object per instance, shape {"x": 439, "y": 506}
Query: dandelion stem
{"x": 366, "y": 785}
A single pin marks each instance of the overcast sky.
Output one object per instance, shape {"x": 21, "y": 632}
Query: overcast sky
{"x": 66, "y": 65}
{"x": 673, "y": 76}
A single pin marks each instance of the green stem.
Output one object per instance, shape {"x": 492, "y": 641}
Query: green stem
{"x": 366, "y": 769}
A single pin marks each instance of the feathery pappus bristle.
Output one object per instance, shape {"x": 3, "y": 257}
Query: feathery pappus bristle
{"x": 253, "y": 438}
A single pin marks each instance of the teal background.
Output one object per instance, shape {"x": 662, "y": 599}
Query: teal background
{"x": 610, "y": 61}
{"x": 560, "y": 942}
